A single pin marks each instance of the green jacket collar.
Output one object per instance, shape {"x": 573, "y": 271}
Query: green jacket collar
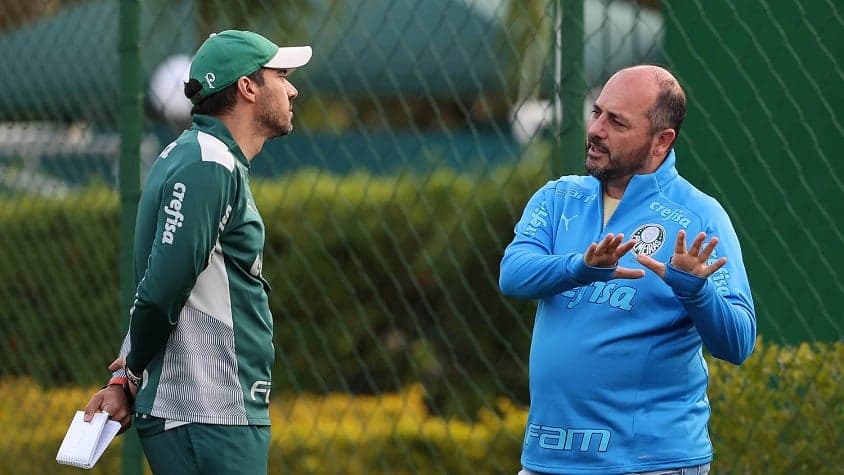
{"x": 214, "y": 126}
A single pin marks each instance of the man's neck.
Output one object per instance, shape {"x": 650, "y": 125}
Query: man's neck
{"x": 615, "y": 188}
{"x": 244, "y": 133}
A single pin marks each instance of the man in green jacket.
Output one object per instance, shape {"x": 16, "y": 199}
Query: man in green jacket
{"x": 199, "y": 351}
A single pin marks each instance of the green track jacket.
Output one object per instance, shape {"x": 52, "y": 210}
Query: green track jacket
{"x": 200, "y": 327}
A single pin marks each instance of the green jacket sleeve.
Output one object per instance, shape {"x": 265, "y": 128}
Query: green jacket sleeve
{"x": 193, "y": 202}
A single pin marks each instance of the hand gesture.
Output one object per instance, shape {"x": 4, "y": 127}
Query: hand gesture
{"x": 607, "y": 253}
{"x": 692, "y": 261}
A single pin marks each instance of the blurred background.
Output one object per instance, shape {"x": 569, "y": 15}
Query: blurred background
{"x": 422, "y": 128}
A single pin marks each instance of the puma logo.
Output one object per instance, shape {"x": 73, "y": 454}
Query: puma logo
{"x": 566, "y": 220}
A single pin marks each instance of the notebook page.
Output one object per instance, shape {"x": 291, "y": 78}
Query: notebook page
{"x": 81, "y": 439}
{"x": 109, "y": 431}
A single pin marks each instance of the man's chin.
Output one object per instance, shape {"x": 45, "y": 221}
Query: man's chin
{"x": 282, "y": 131}
{"x": 593, "y": 169}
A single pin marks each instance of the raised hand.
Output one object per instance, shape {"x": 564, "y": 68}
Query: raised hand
{"x": 607, "y": 254}
{"x": 692, "y": 261}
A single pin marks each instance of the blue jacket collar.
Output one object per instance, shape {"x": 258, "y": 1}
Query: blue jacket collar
{"x": 650, "y": 183}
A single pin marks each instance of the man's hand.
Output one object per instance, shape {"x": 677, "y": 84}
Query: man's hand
{"x": 113, "y": 400}
{"x": 692, "y": 261}
{"x": 120, "y": 362}
{"x": 607, "y": 253}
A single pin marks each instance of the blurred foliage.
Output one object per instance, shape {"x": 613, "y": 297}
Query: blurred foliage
{"x": 780, "y": 412}
{"x": 281, "y": 21}
{"x": 16, "y": 13}
{"x": 48, "y": 240}
{"x": 793, "y": 423}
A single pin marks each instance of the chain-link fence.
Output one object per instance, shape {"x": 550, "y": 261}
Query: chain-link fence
{"x": 422, "y": 127}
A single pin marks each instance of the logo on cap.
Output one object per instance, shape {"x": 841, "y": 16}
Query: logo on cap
{"x": 210, "y": 78}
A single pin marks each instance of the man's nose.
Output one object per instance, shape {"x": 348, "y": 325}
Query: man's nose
{"x": 292, "y": 92}
{"x": 596, "y": 128}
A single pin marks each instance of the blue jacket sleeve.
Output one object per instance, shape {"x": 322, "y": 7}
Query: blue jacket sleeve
{"x": 721, "y": 306}
{"x": 529, "y": 269}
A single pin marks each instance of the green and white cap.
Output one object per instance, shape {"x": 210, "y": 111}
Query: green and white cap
{"x": 226, "y": 56}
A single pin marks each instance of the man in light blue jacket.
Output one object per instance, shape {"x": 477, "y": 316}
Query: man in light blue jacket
{"x": 617, "y": 374}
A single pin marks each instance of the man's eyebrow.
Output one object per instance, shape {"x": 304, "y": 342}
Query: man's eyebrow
{"x": 280, "y": 71}
{"x": 620, "y": 117}
{"x": 613, "y": 115}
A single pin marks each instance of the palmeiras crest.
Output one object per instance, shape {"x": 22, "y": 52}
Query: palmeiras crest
{"x": 649, "y": 238}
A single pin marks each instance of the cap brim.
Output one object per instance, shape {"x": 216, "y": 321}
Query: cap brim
{"x": 290, "y": 57}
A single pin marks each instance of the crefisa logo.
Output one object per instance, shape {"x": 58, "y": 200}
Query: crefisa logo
{"x": 670, "y": 214}
{"x": 649, "y": 238}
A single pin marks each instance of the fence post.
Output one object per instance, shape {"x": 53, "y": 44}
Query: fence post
{"x": 570, "y": 82}
{"x": 129, "y": 122}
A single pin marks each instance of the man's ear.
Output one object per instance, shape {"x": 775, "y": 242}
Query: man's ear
{"x": 662, "y": 142}
{"x": 246, "y": 88}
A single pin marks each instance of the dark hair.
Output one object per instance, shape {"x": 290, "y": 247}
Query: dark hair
{"x": 669, "y": 109}
{"x": 219, "y": 102}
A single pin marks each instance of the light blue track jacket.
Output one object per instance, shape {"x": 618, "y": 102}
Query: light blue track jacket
{"x": 617, "y": 375}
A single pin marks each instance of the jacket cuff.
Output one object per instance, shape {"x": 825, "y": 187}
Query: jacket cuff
{"x": 585, "y": 274}
{"x": 683, "y": 284}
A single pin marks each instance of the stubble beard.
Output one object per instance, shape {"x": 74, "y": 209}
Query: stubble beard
{"x": 618, "y": 165}
{"x": 270, "y": 120}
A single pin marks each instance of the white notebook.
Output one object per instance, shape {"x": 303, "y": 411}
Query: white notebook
{"x": 85, "y": 442}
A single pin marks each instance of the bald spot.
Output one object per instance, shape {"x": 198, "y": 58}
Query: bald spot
{"x": 644, "y": 84}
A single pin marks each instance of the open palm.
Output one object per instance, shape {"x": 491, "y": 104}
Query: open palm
{"x": 693, "y": 261}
